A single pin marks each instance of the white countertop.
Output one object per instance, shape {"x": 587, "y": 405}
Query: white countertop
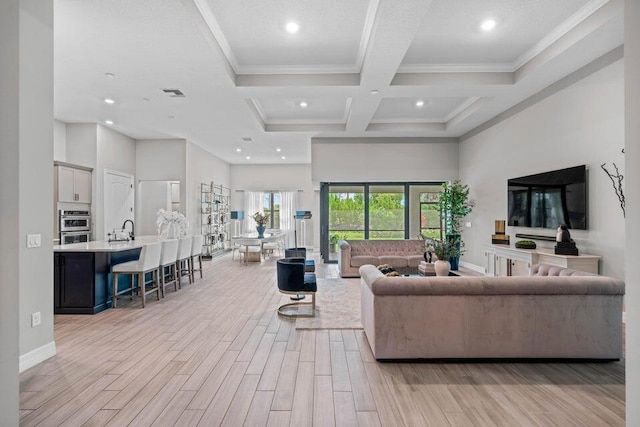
{"x": 105, "y": 246}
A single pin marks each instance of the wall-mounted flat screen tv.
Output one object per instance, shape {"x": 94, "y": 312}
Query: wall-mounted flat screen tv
{"x": 550, "y": 199}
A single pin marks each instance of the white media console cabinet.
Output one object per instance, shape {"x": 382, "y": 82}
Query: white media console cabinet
{"x": 503, "y": 260}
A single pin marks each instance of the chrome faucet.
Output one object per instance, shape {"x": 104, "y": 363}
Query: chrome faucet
{"x": 132, "y": 234}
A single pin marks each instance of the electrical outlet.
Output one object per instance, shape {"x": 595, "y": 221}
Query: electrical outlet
{"x": 35, "y": 319}
{"x": 467, "y": 224}
{"x": 34, "y": 240}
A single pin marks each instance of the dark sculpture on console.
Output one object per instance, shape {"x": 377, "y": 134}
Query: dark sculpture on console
{"x": 564, "y": 243}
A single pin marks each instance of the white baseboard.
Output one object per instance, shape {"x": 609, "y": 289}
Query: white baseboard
{"x": 473, "y": 267}
{"x": 38, "y": 355}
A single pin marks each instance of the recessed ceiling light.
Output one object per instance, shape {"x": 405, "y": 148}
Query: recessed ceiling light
{"x": 374, "y": 92}
{"x": 278, "y": 149}
{"x": 247, "y": 139}
{"x": 172, "y": 117}
{"x": 248, "y": 157}
{"x": 109, "y": 122}
{"x": 283, "y": 157}
{"x": 303, "y": 104}
{"x": 238, "y": 150}
{"x": 109, "y": 101}
{"x": 110, "y": 75}
{"x": 419, "y": 103}
{"x": 292, "y": 27}
{"x": 488, "y": 25}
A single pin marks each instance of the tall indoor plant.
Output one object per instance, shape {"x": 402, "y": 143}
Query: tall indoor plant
{"x": 454, "y": 205}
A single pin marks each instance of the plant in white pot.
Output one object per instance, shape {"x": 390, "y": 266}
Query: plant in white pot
{"x": 454, "y": 205}
{"x": 443, "y": 250}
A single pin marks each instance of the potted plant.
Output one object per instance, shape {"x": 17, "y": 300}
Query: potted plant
{"x": 333, "y": 242}
{"x": 454, "y": 205}
{"x": 262, "y": 220}
{"x": 444, "y": 250}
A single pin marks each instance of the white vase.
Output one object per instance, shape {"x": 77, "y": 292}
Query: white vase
{"x": 442, "y": 268}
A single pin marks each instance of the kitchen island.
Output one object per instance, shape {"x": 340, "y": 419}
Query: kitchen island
{"x": 82, "y": 273}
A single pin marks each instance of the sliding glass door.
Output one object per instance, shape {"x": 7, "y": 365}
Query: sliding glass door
{"x": 377, "y": 211}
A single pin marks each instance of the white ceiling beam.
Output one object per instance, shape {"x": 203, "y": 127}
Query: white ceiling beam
{"x": 285, "y": 80}
{"x": 406, "y": 127}
{"x": 310, "y": 127}
{"x": 611, "y": 10}
{"x": 453, "y": 79}
{"x": 198, "y": 17}
{"x": 395, "y": 26}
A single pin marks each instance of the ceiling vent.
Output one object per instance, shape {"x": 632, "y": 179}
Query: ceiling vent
{"x": 247, "y": 139}
{"x": 174, "y": 93}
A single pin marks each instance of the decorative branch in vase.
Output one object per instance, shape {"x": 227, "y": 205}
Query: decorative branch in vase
{"x": 616, "y": 181}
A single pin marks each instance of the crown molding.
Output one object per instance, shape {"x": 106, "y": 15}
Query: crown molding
{"x": 562, "y": 29}
{"x": 297, "y": 69}
{"x": 212, "y": 22}
{"x": 256, "y": 106}
{"x": 460, "y": 108}
{"x": 455, "y": 68}
{"x": 215, "y": 28}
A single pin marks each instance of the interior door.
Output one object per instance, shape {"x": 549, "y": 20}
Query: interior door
{"x": 118, "y": 200}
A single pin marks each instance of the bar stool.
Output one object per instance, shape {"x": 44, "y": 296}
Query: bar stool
{"x": 196, "y": 252}
{"x": 168, "y": 260}
{"x": 148, "y": 261}
{"x": 184, "y": 257}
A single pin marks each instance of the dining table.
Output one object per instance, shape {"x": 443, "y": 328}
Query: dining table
{"x": 252, "y": 239}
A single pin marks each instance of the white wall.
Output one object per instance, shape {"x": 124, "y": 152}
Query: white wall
{"x": 632, "y": 191}
{"x": 384, "y": 159}
{"x": 161, "y": 160}
{"x": 26, "y": 166}
{"x": 81, "y": 146}
{"x": 201, "y": 167}
{"x": 152, "y": 196}
{"x": 59, "y": 141}
{"x": 581, "y": 124}
{"x": 9, "y": 210}
{"x": 115, "y": 152}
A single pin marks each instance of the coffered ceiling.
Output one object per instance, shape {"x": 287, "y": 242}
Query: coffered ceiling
{"x": 357, "y": 68}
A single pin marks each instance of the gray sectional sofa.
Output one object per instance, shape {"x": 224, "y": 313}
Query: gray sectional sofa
{"x": 403, "y": 255}
{"x": 555, "y": 313}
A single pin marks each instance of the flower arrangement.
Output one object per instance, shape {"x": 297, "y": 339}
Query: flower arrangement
{"x": 171, "y": 224}
{"x": 260, "y": 218}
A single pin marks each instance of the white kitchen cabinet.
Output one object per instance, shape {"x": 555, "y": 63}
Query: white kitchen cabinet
{"x": 74, "y": 184}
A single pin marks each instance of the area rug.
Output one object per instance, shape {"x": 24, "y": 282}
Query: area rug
{"x": 337, "y": 306}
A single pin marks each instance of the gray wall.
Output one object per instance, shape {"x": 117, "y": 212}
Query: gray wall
{"x": 116, "y": 152}
{"x": 384, "y": 159}
{"x": 581, "y": 124}
{"x": 26, "y": 171}
{"x": 632, "y": 189}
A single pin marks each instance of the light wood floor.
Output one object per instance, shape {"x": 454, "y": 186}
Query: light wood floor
{"x": 216, "y": 353}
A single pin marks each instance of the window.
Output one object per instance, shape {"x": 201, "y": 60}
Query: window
{"x": 430, "y": 216}
{"x": 271, "y": 206}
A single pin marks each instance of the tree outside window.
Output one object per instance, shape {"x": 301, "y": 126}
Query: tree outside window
{"x": 430, "y": 216}
{"x": 271, "y": 205}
